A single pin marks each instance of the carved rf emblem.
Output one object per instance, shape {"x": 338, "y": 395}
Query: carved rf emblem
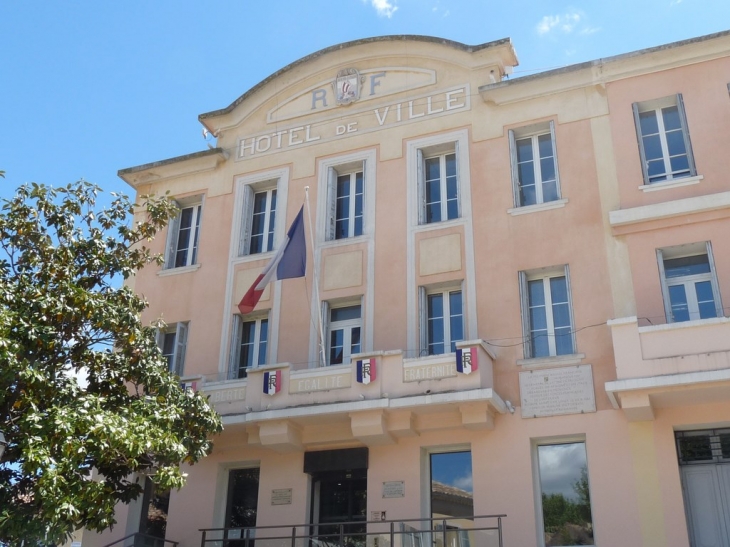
{"x": 347, "y": 86}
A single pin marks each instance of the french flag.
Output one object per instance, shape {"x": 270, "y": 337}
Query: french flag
{"x": 272, "y": 382}
{"x": 466, "y": 360}
{"x": 290, "y": 261}
{"x": 366, "y": 371}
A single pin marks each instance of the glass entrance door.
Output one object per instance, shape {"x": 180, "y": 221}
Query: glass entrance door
{"x": 242, "y": 506}
{"x": 340, "y": 497}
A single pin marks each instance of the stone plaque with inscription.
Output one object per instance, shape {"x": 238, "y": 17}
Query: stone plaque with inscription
{"x": 394, "y": 489}
{"x": 552, "y": 392}
{"x": 281, "y": 496}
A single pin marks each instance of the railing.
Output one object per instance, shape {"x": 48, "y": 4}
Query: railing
{"x": 142, "y": 540}
{"x": 476, "y": 531}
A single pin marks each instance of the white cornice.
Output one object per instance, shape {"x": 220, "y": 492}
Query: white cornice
{"x": 670, "y": 209}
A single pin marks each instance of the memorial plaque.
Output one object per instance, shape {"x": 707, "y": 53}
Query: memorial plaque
{"x": 394, "y": 489}
{"x": 552, "y": 392}
{"x": 282, "y": 496}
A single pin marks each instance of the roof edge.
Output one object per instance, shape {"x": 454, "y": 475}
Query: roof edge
{"x": 352, "y": 43}
{"x": 177, "y": 159}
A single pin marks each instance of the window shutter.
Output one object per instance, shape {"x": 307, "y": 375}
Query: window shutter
{"x": 181, "y": 341}
{"x": 570, "y": 307}
{"x": 665, "y": 289}
{"x": 364, "y": 197}
{"x": 235, "y": 347}
{"x": 246, "y": 220}
{"x": 525, "y": 305}
{"x": 423, "y": 322}
{"x": 685, "y": 134}
{"x": 637, "y": 123}
{"x": 324, "y": 344}
{"x": 171, "y": 244}
{"x": 513, "y": 162}
{"x": 420, "y": 183}
{"x": 715, "y": 287}
{"x": 458, "y": 180}
{"x": 332, "y": 203}
{"x": 555, "y": 158}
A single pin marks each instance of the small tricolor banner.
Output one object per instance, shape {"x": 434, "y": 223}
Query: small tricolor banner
{"x": 272, "y": 382}
{"x": 466, "y": 360}
{"x": 366, "y": 371}
{"x": 192, "y": 386}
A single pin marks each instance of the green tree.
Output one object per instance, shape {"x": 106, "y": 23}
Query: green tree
{"x": 63, "y": 314}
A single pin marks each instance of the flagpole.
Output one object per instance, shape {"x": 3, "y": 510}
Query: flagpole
{"x": 315, "y": 281}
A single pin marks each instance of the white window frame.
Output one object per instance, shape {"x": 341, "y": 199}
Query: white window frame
{"x": 234, "y": 368}
{"x": 347, "y": 326}
{"x": 656, "y": 106}
{"x": 195, "y": 203}
{"x": 536, "y": 480}
{"x": 682, "y": 251}
{"x": 333, "y": 174}
{"x": 177, "y": 357}
{"x": 250, "y": 191}
{"x": 533, "y": 132}
{"x": 545, "y": 274}
{"x": 445, "y": 292}
{"x": 438, "y": 151}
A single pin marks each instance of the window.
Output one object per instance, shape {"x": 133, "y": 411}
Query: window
{"x": 182, "y": 236}
{"x": 249, "y": 345}
{"x": 259, "y": 218}
{"x": 438, "y": 183}
{"x": 547, "y": 313}
{"x": 689, "y": 284}
{"x": 452, "y": 497}
{"x": 664, "y": 145}
{"x": 534, "y": 165}
{"x": 564, "y": 498}
{"x": 346, "y": 193}
{"x": 172, "y": 341}
{"x": 443, "y": 321}
{"x": 343, "y": 334}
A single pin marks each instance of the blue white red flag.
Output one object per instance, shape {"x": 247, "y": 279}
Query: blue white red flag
{"x": 366, "y": 371}
{"x": 466, "y": 360}
{"x": 272, "y": 382}
{"x": 290, "y": 261}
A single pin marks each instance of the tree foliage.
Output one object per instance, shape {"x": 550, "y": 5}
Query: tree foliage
{"x": 62, "y": 314}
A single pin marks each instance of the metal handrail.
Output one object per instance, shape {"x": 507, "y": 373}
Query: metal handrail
{"x": 143, "y": 536}
{"x": 248, "y": 535}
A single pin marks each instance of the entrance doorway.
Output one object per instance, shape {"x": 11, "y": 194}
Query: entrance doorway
{"x": 339, "y": 496}
{"x": 704, "y": 460}
{"x": 242, "y": 505}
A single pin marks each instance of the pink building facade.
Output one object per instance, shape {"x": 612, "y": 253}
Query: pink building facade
{"x": 513, "y": 307}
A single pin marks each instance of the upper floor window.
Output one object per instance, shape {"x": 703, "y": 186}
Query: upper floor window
{"x": 259, "y": 218}
{"x": 344, "y": 330}
{"x": 249, "y": 344}
{"x": 689, "y": 283}
{"x": 183, "y": 234}
{"x": 172, "y": 341}
{"x": 346, "y": 193}
{"x": 534, "y": 164}
{"x": 443, "y": 320}
{"x": 438, "y": 184}
{"x": 547, "y": 316}
{"x": 664, "y": 145}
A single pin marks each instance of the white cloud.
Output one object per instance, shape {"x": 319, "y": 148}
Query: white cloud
{"x": 565, "y": 23}
{"x": 675, "y": 2}
{"x": 465, "y": 483}
{"x": 384, "y": 8}
{"x": 447, "y": 13}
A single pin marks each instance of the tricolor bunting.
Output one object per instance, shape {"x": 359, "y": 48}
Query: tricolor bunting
{"x": 290, "y": 261}
{"x": 366, "y": 371}
{"x": 272, "y": 382}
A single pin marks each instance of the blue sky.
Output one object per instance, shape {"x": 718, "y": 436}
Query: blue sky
{"x": 89, "y": 87}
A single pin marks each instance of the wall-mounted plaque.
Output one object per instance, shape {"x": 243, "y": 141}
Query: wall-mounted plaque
{"x": 282, "y": 496}
{"x": 552, "y": 392}
{"x": 394, "y": 489}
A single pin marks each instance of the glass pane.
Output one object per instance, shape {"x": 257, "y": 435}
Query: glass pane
{"x": 550, "y": 191}
{"x": 336, "y": 346}
{"x": 272, "y": 220}
{"x": 450, "y": 165}
{"x": 536, "y": 292}
{"x": 545, "y": 144}
{"x": 168, "y": 348}
{"x": 263, "y": 341}
{"x": 345, "y": 314}
{"x": 656, "y": 170}
{"x": 675, "y": 143}
{"x": 524, "y": 150}
{"x": 243, "y": 496}
{"x": 528, "y": 195}
{"x": 452, "y": 491}
{"x": 355, "y": 340}
{"x": 653, "y": 147}
{"x": 725, "y": 445}
{"x": 456, "y": 324}
{"x": 538, "y": 320}
{"x": 539, "y": 344}
{"x": 558, "y": 289}
{"x": 433, "y": 168}
{"x": 688, "y": 265}
{"x": 547, "y": 169}
{"x": 648, "y": 123}
{"x": 526, "y": 173}
{"x": 680, "y": 165}
{"x": 694, "y": 448}
{"x": 565, "y": 494}
{"x": 561, "y": 315}
{"x": 678, "y": 301}
{"x": 563, "y": 341}
{"x": 705, "y": 299}
{"x": 670, "y": 115}
{"x": 435, "y": 306}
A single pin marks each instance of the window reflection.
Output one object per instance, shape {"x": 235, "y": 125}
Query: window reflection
{"x": 452, "y": 497}
{"x": 565, "y": 496}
